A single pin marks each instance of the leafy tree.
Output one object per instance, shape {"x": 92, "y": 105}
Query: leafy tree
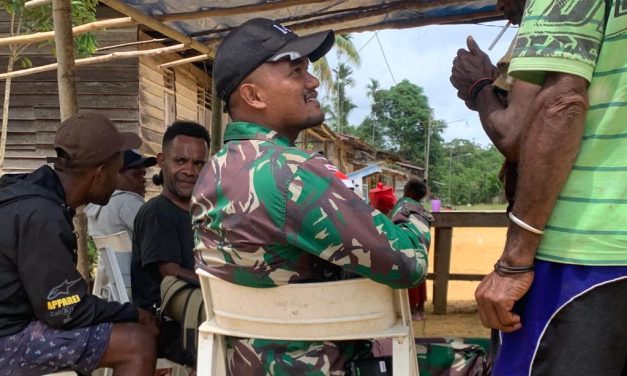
{"x": 36, "y": 19}
{"x": 472, "y": 172}
{"x": 402, "y": 112}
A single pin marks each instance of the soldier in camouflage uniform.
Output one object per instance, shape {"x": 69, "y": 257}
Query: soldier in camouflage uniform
{"x": 266, "y": 213}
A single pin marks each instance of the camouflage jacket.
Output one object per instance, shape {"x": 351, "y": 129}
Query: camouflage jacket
{"x": 266, "y": 213}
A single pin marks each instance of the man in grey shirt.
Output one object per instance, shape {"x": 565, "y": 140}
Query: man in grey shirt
{"x": 118, "y": 215}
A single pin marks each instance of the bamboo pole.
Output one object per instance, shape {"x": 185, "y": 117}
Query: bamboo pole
{"x": 36, "y": 3}
{"x": 97, "y": 59}
{"x": 158, "y": 26}
{"x": 192, "y": 59}
{"x": 78, "y": 30}
{"x": 136, "y": 43}
{"x": 66, "y": 79}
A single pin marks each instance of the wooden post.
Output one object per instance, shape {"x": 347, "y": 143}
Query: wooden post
{"x": 441, "y": 268}
{"x": 216, "y": 119}
{"x": 68, "y": 103}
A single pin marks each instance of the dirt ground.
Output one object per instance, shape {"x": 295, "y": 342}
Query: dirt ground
{"x": 474, "y": 251}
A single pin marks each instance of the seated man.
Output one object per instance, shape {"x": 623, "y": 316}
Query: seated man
{"x": 416, "y": 189}
{"x": 163, "y": 241}
{"x": 119, "y": 214}
{"x": 48, "y": 319}
{"x": 267, "y": 213}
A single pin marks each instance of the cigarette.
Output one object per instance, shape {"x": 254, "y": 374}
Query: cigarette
{"x": 499, "y": 36}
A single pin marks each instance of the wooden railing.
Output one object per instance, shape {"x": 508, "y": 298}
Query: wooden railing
{"x": 443, "y": 224}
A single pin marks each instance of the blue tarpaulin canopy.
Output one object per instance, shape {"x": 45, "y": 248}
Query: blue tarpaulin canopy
{"x": 207, "y": 20}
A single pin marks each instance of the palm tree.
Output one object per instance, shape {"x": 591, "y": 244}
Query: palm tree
{"x": 345, "y": 48}
{"x": 343, "y": 105}
{"x": 373, "y": 87}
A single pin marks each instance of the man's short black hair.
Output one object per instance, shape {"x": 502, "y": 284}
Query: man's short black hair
{"x": 416, "y": 188}
{"x": 185, "y": 128}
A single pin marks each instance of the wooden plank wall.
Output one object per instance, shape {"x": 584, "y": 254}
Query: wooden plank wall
{"x": 110, "y": 87}
{"x": 189, "y": 81}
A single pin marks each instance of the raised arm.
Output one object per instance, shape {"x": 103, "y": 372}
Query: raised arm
{"x": 501, "y": 118}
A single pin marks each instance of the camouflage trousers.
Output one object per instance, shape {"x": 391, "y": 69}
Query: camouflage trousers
{"x": 257, "y": 357}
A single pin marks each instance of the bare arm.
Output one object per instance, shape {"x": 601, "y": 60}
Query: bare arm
{"x": 503, "y": 122}
{"x": 175, "y": 270}
{"x": 548, "y": 150}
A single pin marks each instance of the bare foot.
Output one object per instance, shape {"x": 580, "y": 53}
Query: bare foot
{"x": 418, "y": 316}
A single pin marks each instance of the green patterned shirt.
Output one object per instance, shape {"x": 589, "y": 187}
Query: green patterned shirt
{"x": 588, "y": 225}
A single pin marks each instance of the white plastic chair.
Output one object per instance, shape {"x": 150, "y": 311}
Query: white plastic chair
{"x": 113, "y": 273}
{"x": 336, "y": 311}
{"x": 113, "y": 280}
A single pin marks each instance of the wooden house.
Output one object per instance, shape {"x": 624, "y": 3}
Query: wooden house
{"x": 351, "y": 154}
{"x": 139, "y": 94}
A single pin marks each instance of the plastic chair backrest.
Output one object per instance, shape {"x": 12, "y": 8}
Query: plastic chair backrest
{"x": 340, "y": 310}
{"x": 120, "y": 243}
{"x": 302, "y": 311}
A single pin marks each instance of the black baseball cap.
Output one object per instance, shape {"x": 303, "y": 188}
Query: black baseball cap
{"x": 261, "y": 40}
{"x": 134, "y": 159}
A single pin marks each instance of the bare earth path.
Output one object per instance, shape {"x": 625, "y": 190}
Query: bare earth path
{"x": 474, "y": 251}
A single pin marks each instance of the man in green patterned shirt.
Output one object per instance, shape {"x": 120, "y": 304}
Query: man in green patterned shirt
{"x": 559, "y": 291}
{"x": 266, "y": 213}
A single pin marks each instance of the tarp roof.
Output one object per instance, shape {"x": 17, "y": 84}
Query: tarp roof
{"x": 208, "y": 19}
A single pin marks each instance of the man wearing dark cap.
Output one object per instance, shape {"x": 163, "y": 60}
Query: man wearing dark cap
{"x": 266, "y": 213}
{"x": 48, "y": 319}
{"x": 118, "y": 215}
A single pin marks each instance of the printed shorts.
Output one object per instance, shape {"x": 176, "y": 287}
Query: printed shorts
{"x": 41, "y": 349}
{"x": 574, "y": 324}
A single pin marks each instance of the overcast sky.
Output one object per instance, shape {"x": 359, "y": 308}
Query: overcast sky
{"x": 423, "y": 56}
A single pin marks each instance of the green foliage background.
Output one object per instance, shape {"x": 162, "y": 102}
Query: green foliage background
{"x": 399, "y": 121}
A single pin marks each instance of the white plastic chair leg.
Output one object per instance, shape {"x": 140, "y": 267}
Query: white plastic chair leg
{"x": 220, "y": 355}
{"x": 400, "y": 356}
{"x": 205, "y": 353}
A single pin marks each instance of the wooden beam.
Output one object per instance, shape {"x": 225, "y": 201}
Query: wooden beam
{"x": 216, "y": 118}
{"x": 98, "y": 59}
{"x": 243, "y": 9}
{"x": 441, "y": 268}
{"x": 158, "y": 26}
{"x": 64, "y": 42}
{"x": 68, "y": 101}
{"x": 192, "y": 59}
{"x": 496, "y": 218}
